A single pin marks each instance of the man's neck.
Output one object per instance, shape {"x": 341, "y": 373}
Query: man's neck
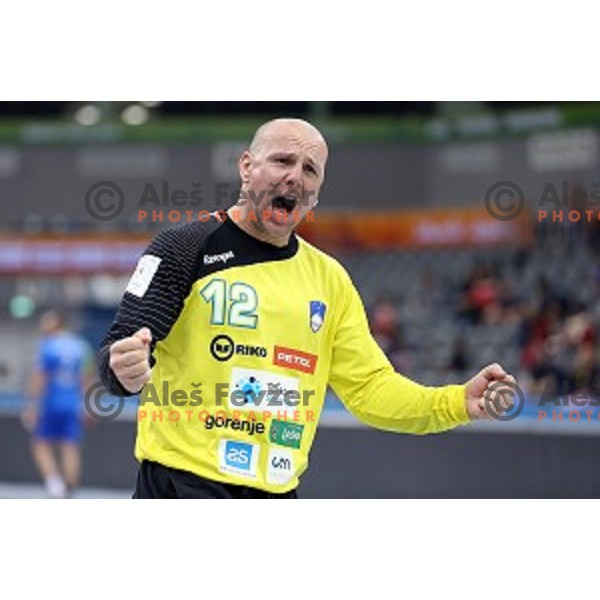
{"x": 252, "y": 228}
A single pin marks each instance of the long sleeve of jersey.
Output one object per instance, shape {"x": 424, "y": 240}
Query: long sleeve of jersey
{"x": 161, "y": 303}
{"x": 366, "y": 382}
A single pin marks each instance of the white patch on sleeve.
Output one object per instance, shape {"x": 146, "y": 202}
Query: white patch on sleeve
{"x": 144, "y": 273}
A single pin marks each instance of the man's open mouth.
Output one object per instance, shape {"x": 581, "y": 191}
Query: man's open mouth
{"x": 287, "y": 203}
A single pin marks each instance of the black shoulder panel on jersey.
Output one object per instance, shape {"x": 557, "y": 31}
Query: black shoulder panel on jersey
{"x": 179, "y": 250}
{"x": 230, "y": 246}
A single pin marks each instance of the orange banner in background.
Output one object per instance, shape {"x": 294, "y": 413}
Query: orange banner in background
{"x": 426, "y": 228}
{"x": 118, "y": 253}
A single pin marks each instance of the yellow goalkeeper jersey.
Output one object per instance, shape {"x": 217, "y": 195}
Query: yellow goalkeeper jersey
{"x": 246, "y": 338}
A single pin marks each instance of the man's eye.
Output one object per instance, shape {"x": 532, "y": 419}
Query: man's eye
{"x": 310, "y": 169}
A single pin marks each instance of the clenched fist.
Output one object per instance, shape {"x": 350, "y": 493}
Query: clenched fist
{"x": 130, "y": 360}
{"x": 488, "y": 382}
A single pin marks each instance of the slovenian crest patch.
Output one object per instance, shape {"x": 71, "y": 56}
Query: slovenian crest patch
{"x": 317, "y": 315}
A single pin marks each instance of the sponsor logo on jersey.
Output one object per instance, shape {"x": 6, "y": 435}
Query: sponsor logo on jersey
{"x": 287, "y": 434}
{"x": 294, "y": 359}
{"x": 238, "y": 458}
{"x": 223, "y": 348}
{"x": 245, "y": 426}
{"x": 210, "y": 259}
{"x": 142, "y": 276}
{"x": 317, "y": 314}
{"x": 280, "y": 467}
{"x": 253, "y": 389}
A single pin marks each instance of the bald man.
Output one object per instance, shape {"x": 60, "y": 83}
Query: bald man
{"x": 281, "y": 173}
{"x": 231, "y": 330}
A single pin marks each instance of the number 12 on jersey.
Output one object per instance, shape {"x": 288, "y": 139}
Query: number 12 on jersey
{"x": 234, "y": 304}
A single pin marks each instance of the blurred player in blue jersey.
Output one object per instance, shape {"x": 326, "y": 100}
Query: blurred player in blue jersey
{"x": 54, "y": 414}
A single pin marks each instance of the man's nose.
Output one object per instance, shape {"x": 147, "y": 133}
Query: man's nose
{"x": 294, "y": 174}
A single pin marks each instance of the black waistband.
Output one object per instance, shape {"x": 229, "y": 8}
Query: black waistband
{"x": 157, "y": 481}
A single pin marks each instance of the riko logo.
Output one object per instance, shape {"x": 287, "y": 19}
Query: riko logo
{"x": 238, "y": 458}
{"x": 294, "y": 359}
{"x": 280, "y": 469}
{"x": 223, "y": 348}
{"x": 287, "y": 434}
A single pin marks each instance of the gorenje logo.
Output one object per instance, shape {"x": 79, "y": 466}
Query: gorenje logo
{"x": 222, "y": 348}
{"x": 210, "y": 259}
{"x": 238, "y": 458}
{"x": 287, "y": 434}
{"x": 280, "y": 469}
{"x": 249, "y": 427}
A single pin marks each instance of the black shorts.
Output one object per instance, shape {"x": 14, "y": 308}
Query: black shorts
{"x": 157, "y": 481}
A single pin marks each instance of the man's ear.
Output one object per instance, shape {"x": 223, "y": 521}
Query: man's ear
{"x": 245, "y": 165}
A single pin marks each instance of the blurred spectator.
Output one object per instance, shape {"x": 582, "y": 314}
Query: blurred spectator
{"x": 538, "y": 351}
{"x": 386, "y": 330}
{"x": 559, "y": 348}
{"x": 54, "y": 414}
{"x": 480, "y": 301}
{"x": 579, "y": 335}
